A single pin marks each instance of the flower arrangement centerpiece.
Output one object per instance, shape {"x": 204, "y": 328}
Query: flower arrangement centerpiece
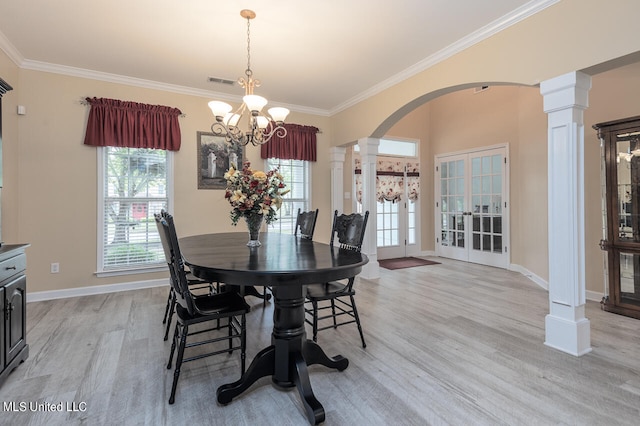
{"x": 254, "y": 195}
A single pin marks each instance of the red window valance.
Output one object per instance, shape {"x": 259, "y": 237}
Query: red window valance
{"x": 299, "y": 144}
{"x": 133, "y": 125}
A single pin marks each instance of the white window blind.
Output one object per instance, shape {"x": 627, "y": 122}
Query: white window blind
{"x": 133, "y": 188}
{"x": 296, "y": 177}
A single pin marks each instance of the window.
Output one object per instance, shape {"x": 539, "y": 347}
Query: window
{"x": 395, "y": 147}
{"x": 133, "y": 186}
{"x": 296, "y": 177}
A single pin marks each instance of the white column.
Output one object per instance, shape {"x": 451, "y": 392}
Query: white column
{"x": 368, "y": 155}
{"x": 336, "y": 162}
{"x": 565, "y": 99}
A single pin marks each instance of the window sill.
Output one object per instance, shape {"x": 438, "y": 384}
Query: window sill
{"x": 132, "y": 271}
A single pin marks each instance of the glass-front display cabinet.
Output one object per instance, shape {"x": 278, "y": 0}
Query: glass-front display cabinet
{"x": 620, "y": 145}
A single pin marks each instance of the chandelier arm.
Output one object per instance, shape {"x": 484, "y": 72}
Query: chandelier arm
{"x": 219, "y": 129}
{"x": 278, "y": 131}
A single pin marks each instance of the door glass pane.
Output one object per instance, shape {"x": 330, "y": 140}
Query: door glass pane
{"x": 388, "y": 229}
{"x": 496, "y": 185}
{"x": 496, "y": 162}
{"x": 486, "y": 196}
{"x": 475, "y": 185}
{"x": 411, "y": 216}
{"x": 497, "y": 243}
{"x": 486, "y": 165}
{"x": 475, "y": 167}
{"x": 460, "y": 186}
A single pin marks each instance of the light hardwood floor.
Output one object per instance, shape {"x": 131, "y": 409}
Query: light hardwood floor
{"x": 448, "y": 344}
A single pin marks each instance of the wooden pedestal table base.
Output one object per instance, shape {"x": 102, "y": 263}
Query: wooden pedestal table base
{"x": 287, "y": 358}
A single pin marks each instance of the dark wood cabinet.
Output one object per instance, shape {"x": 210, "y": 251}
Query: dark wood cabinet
{"x": 620, "y": 145}
{"x": 13, "y": 295}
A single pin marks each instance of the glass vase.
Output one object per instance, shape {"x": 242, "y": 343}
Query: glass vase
{"x": 254, "y": 223}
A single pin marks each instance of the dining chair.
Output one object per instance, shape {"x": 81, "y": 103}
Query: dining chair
{"x": 194, "y": 309}
{"x": 306, "y": 223}
{"x": 337, "y": 298}
{"x": 194, "y": 283}
{"x": 305, "y": 226}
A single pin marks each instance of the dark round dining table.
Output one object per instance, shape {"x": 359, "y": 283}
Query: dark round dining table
{"x": 286, "y": 263}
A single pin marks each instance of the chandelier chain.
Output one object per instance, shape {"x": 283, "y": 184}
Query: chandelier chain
{"x": 248, "y": 72}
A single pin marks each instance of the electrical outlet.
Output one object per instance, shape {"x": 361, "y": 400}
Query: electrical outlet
{"x": 55, "y": 268}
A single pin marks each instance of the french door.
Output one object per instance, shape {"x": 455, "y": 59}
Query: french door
{"x": 396, "y": 235}
{"x": 472, "y": 220}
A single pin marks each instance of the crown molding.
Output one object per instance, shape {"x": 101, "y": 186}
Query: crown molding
{"x": 481, "y": 34}
{"x": 11, "y": 51}
{"x": 150, "y": 84}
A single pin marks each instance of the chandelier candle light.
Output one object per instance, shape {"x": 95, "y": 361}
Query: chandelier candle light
{"x": 254, "y": 195}
{"x": 260, "y": 128}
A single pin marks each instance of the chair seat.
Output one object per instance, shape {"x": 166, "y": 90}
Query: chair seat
{"x": 327, "y": 291}
{"x": 227, "y": 303}
{"x": 192, "y": 280}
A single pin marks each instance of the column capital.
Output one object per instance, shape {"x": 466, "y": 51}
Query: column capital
{"x": 368, "y": 146}
{"x": 570, "y": 90}
{"x": 337, "y": 153}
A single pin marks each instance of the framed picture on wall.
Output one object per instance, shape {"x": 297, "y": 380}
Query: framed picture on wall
{"x": 215, "y": 156}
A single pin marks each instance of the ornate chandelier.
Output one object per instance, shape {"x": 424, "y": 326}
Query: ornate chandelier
{"x": 261, "y": 128}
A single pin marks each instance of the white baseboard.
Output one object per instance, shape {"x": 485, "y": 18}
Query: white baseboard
{"x": 527, "y": 273}
{"x": 99, "y": 289}
{"x": 136, "y": 285}
{"x": 590, "y": 295}
{"x": 596, "y": 296}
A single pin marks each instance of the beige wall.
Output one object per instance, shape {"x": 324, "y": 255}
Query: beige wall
{"x": 49, "y": 198}
{"x": 463, "y": 120}
{"x": 9, "y": 72}
{"x": 514, "y": 115}
{"x": 568, "y": 36}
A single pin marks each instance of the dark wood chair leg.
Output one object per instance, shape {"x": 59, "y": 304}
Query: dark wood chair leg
{"x": 315, "y": 321}
{"x": 166, "y": 309}
{"x": 173, "y": 346}
{"x": 357, "y": 317}
{"x": 172, "y": 309}
{"x": 176, "y": 372}
{"x": 333, "y": 313}
{"x": 264, "y": 298}
{"x": 243, "y": 343}
{"x": 230, "y": 327}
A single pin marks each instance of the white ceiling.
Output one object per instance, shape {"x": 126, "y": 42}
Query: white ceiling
{"x": 316, "y": 56}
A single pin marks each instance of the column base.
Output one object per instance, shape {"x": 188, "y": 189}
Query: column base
{"x": 572, "y": 337}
